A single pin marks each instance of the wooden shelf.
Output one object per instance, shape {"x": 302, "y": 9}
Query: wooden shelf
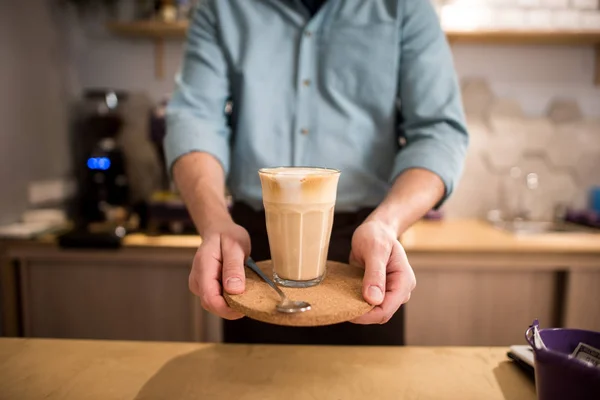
{"x": 573, "y": 38}
{"x": 149, "y": 29}
{"x": 159, "y": 31}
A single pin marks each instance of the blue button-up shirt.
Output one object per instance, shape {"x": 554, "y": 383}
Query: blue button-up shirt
{"x": 341, "y": 89}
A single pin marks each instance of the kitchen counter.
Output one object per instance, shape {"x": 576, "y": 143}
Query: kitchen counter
{"x": 441, "y": 236}
{"x": 452, "y": 235}
{"x": 69, "y": 369}
{"x": 481, "y": 237}
{"x": 483, "y": 285}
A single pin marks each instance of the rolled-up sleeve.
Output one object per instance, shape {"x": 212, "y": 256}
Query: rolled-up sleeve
{"x": 432, "y": 117}
{"x": 196, "y": 119}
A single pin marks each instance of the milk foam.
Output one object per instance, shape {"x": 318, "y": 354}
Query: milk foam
{"x": 301, "y": 171}
{"x": 299, "y": 185}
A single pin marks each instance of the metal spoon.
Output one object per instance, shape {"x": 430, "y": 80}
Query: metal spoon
{"x": 286, "y": 305}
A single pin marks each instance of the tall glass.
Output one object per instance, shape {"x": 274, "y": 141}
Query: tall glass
{"x": 299, "y": 204}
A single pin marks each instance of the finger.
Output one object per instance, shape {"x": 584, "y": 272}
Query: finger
{"x": 234, "y": 280}
{"x": 212, "y": 298}
{"x": 391, "y": 303}
{"x": 376, "y": 316}
{"x": 403, "y": 275}
{"x": 374, "y": 280}
{"x": 216, "y": 304}
{"x": 353, "y": 260}
{"x": 400, "y": 283}
{"x": 205, "y": 283}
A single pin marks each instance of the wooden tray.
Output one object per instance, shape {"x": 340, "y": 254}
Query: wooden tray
{"x": 337, "y": 299}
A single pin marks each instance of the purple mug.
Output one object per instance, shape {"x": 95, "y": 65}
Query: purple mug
{"x": 558, "y": 376}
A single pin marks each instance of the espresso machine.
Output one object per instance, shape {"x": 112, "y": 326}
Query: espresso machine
{"x": 100, "y": 172}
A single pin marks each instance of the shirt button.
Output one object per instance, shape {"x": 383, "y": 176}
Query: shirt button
{"x": 304, "y": 131}
{"x": 306, "y": 82}
{"x": 308, "y": 34}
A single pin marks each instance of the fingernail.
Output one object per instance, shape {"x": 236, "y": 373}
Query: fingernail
{"x": 234, "y": 283}
{"x": 375, "y": 294}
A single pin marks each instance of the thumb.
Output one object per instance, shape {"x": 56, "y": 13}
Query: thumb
{"x": 234, "y": 280}
{"x": 374, "y": 280}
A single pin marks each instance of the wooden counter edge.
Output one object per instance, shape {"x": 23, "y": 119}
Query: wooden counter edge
{"x": 458, "y": 237}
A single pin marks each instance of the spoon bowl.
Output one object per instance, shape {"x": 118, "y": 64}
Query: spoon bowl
{"x": 293, "y": 307}
{"x": 286, "y": 305}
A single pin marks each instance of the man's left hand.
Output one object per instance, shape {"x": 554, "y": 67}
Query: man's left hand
{"x": 389, "y": 278}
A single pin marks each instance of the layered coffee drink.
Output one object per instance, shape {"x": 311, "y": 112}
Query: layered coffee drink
{"x": 299, "y": 204}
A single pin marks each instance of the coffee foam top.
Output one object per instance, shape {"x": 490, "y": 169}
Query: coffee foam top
{"x": 299, "y": 185}
{"x": 299, "y": 171}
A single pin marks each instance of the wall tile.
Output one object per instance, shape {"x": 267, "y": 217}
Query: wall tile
{"x": 471, "y": 198}
{"x": 479, "y": 139}
{"x": 585, "y": 4}
{"x": 504, "y": 148}
{"x": 587, "y": 169}
{"x": 565, "y": 19}
{"x": 477, "y": 191}
{"x": 505, "y": 108}
{"x": 564, "y": 110}
{"x": 529, "y": 3}
{"x": 556, "y": 186}
{"x": 513, "y": 137}
{"x": 477, "y": 97}
{"x": 458, "y": 17}
{"x": 555, "y": 3}
{"x": 589, "y": 20}
{"x": 563, "y": 149}
{"x": 559, "y": 189}
{"x": 587, "y": 164}
{"x": 537, "y": 132}
{"x": 508, "y": 18}
{"x": 539, "y": 19}
{"x": 569, "y": 141}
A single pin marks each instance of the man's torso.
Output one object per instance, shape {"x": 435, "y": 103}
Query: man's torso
{"x": 317, "y": 91}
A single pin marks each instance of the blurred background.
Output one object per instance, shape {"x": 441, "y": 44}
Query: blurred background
{"x": 96, "y": 243}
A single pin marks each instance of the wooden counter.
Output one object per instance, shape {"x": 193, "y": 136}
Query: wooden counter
{"x": 67, "y": 369}
{"x": 480, "y": 285}
{"x": 441, "y": 236}
{"x": 473, "y": 236}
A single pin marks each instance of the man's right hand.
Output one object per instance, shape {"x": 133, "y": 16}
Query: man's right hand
{"x": 219, "y": 265}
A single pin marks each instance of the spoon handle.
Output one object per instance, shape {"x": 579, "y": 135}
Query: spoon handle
{"x": 252, "y": 265}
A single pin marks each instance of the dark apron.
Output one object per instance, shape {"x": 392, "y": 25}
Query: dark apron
{"x": 246, "y": 330}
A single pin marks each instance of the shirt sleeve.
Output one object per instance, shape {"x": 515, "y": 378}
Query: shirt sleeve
{"x": 196, "y": 119}
{"x": 432, "y": 118}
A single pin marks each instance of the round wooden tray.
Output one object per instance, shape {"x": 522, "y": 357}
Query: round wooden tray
{"x": 338, "y": 298}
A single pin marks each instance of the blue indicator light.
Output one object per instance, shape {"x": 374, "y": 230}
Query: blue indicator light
{"x": 92, "y": 163}
{"x": 103, "y": 163}
{"x": 98, "y": 163}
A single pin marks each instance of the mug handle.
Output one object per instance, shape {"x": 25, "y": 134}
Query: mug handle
{"x": 529, "y": 336}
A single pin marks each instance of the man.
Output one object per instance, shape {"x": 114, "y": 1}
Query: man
{"x": 336, "y": 83}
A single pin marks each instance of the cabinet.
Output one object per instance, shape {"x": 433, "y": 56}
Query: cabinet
{"x": 475, "y": 286}
{"x": 130, "y": 294}
{"x": 489, "y": 299}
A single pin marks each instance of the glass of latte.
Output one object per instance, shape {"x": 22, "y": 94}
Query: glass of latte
{"x": 299, "y": 204}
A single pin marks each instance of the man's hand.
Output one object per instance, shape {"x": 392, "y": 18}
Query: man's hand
{"x": 389, "y": 278}
{"x": 225, "y": 245}
{"x": 220, "y": 259}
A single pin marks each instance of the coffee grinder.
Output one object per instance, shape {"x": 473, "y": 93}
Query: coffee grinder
{"x": 102, "y": 198}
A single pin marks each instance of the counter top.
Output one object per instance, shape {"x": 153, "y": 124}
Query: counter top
{"x": 447, "y": 236}
{"x": 69, "y": 369}
{"x": 479, "y": 236}
{"x": 461, "y": 235}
